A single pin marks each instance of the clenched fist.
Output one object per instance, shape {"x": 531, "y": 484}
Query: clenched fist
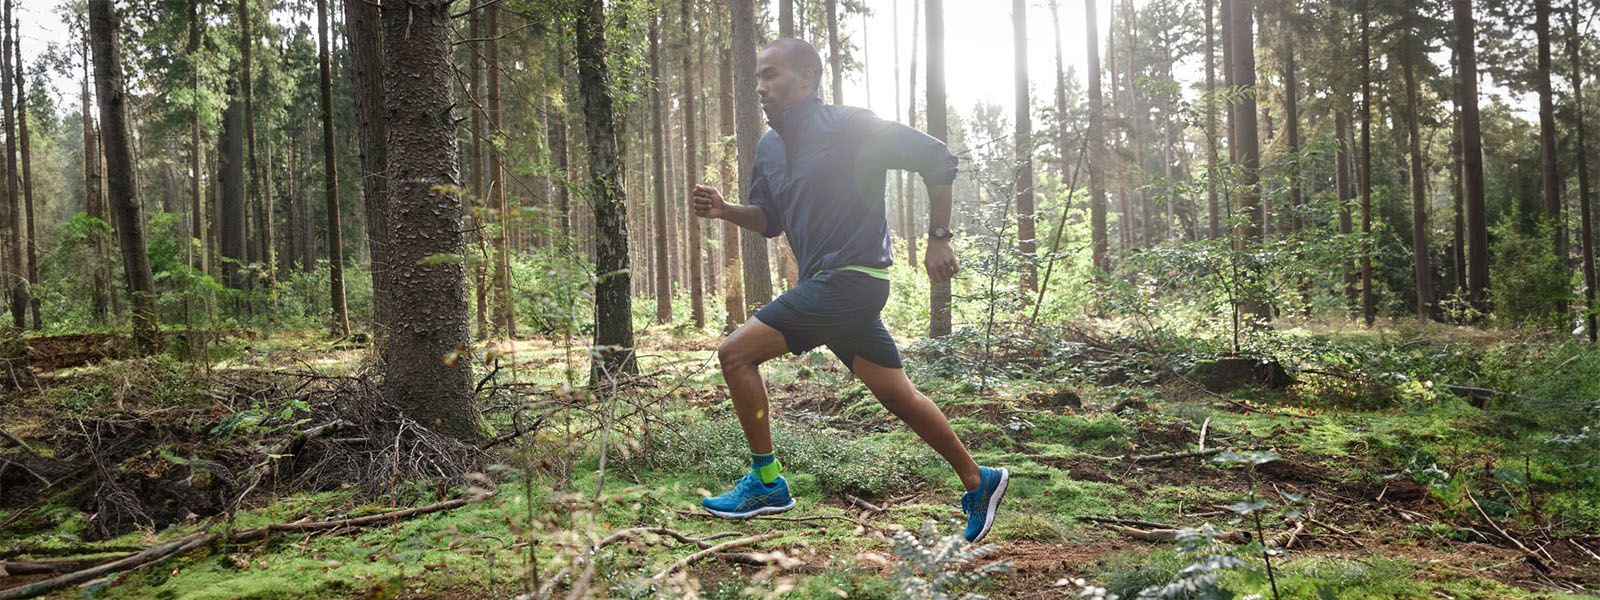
{"x": 707, "y": 202}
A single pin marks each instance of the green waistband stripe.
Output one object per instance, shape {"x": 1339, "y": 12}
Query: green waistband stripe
{"x": 873, "y": 271}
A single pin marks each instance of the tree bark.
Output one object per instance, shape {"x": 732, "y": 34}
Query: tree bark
{"x": 1472, "y": 155}
{"x": 231, "y": 208}
{"x": 1024, "y": 145}
{"x": 691, "y": 172}
{"x": 504, "y": 313}
{"x": 1345, "y": 190}
{"x": 1419, "y": 199}
{"x": 613, "y": 312}
{"x": 1291, "y": 110}
{"x": 123, "y": 194}
{"x": 785, "y": 18}
{"x": 1547, "y": 135}
{"x": 197, "y": 215}
{"x": 732, "y": 280}
{"x": 658, "y": 173}
{"x": 748, "y": 119}
{"x": 330, "y": 177}
{"x": 1097, "y": 148}
{"x": 833, "y": 51}
{"x": 27, "y": 183}
{"x": 1215, "y": 217}
{"x": 252, "y": 186}
{"x": 939, "y": 293}
{"x": 1245, "y": 135}
{"x": 1591, "y": 302}
{"x": 427, "y": 370}
{"x": 1369, "y": 310}
{"x": 18, "y": 213}
{"x": 907, "y": 205}
{"x": 365, "y": 35}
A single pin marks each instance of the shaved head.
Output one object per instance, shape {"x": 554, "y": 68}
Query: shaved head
{"x": 798, "y": 55}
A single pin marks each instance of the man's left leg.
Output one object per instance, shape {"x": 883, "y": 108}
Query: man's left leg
{"x": 896, "y": 392}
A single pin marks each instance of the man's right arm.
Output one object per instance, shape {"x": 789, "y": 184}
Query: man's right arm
{"x": 748, "y": 217}
{"x": 708, "y": 203}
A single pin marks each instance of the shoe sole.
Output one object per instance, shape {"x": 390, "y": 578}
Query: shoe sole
{"x": 765, "y": 510}
{"x": 994, "y": 504}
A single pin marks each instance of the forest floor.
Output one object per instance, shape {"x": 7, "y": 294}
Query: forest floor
{"x": 1411, "y": 464}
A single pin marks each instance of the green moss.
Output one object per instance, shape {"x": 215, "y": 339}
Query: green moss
{"x": 1100, "y": 431}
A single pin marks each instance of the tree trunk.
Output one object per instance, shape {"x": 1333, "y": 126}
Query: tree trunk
{"x": 1291, "y": 110}
{"x": 1097, "y": 148}
{"x": 253, "y": 197}
{"x": 785, "y": 18}
{"x": 103, "y": 25}
{"x": 197, "y": 219}
{"x": 1369, "y": 310}
{"x": 231, "y": 208}
{"x": 427, "y": 368}
{"x": 939, "y": 293}
{"x": 504, "y": 314}
{"x": 1419, "y": 199}
{"x": 18, "y": 212}
{"x": 1024, "y": 145}
{"x": 1215, "y": 217}
{"x": 1547, "y": 135}
{"x": 734, "y": 283}
{"x": 1345, "y": 189}
{"x": 27, "y": 183}
{"x": 691, "y": 172}
{"x": 363, "y": 26}
{"x": 330, "y": 177}
{"x": 1065, "y": 166}
{"x": 1245, "y": 135}
{"x": 1586, "y": 228}
{"x": 748, "y": 119}
{"x": 1472, "y": 155}
{"x": 558, "y": 146}
{"x": 833, "y": 51}
{"x": 613, "y": 313}
{"x": 907, "y": 205}
{"x": 658, "y": 173}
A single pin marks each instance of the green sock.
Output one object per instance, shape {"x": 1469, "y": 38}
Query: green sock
{"x": 766, "y": 467}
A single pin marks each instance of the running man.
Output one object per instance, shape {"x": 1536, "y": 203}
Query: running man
{"x": 819, "y": 175}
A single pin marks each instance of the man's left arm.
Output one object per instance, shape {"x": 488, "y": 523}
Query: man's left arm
{"x": 891, "y": 145}
{"x": 940, "y": 259}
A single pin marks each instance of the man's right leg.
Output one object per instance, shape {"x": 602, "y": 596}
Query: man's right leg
{"x": 741, "y": 356}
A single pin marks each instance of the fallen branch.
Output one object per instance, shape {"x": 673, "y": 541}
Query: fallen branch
{"x": 1157, "y": 536}
{"x": 15, "y": 568}
{"x": 1346, "y": 534}
{"x": 160, "y": 552}
{"x": 809, "y": 519}
{"x": 1120, "y": 521}
{"x": 741, "y": 542}
{"x": 67, "y": 550}
{"x": 868, "y": 506}
{"x": 1533, "y": 557}
{"x": 1287, "y": 539}
{"x": 1175, "y": 455}
{"x": 703, "y": 542}
{"x": 762, "y": 559}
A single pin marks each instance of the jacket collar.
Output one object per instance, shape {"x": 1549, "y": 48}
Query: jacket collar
{"x": 791, "y": 119}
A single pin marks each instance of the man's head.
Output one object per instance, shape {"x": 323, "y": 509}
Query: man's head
{"x": 787, "y": 71}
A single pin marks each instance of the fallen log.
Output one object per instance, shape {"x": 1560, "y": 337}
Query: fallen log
{"x": 1159, "y": 536}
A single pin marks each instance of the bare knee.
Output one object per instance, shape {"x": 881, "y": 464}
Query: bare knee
{"x": 733, "y": 357}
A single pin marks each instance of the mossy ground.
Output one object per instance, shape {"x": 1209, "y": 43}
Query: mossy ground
{"x": 1394, "y": 473}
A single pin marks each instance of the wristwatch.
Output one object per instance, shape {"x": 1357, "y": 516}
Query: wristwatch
{"x": 940, "y": 233}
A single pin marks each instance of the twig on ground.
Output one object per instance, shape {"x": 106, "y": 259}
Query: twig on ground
{"x": 809, "y": 519}
{"x": 868, "y": 506}
{"x": 1287, "y": 539}
{"x": 1342, "y": 533}
{"x": 762, "y": 559}
{"x": 1533, "y": 557}
{"x": 703, "y": 542}
{"x": 1203, "y": 428}
{"x": 741, "y": 542}
{"x": 1171, "y": 535}
{"x": 1175, "y": 455}
{"x": 1121, "y": 521}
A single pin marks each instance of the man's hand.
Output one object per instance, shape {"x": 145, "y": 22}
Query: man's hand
{"x": 708, "y": 202}
{"x": 940, "y": 261}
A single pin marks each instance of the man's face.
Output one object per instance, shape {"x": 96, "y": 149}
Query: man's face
{"x": 779, "y": 84}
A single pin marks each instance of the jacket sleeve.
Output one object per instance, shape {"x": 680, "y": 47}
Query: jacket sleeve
{"x": 759, "y": 195}
{"x": 891, "y": 145}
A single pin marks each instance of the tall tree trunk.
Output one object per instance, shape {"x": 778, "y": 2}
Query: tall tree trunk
{"x": 197, "y": 212}
{"x": 558, "y": 146}
{"x": 658, "y": 173}
{"x": 1547, "y": 135}
{"x": 365, "y": 34}
{"x": 1291, "y": 110}
{"x": 833, "y": 51}
{"x": 1065, "y": 165}
{"x": 939, "y": 293}
{"x": 748, "y": 118}
{"x": 1419, "y": 199}
{"x": 785, "y": 18}
{"x": 504, "y": 314}
{"x": 253, "y": 197}
{"x": 1097, "y": 148}
{"x": 330, "y": 177}
{"x": 27, "y": 183}
{"x": 1215, "y": 217}
{"x": 732, "y": 279}
{"x": 1369, "y": 309}
{"x": 1345, "y": 189}
{"x": 613, "y": 313}
{"x": 907, "y": 205}
{"x": 1591, "y": 302}
{"x": 231, "y": 208}
{"x": 427, "y": 372}
{"x": 123, "y": 196}
{"x": 1472, "y": 155}
{"x": 691, "y": 171}
{"x": 18, "y": 212}
{"x": 1024, "y": 144}
{"x": 1458, "y": 239}
{"x": 1245, "y": 135}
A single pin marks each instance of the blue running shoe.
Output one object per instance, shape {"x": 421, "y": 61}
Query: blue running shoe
{"x": 980, "y": 504}
{"x": 750, "y": 498}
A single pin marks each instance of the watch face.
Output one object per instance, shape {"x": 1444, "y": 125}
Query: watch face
{"x": 939, "y": 233}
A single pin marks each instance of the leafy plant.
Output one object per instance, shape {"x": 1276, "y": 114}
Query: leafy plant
{"x": 940, "y": 567}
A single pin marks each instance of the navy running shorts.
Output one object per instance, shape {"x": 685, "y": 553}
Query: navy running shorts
{"x": 837, "y": 308}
